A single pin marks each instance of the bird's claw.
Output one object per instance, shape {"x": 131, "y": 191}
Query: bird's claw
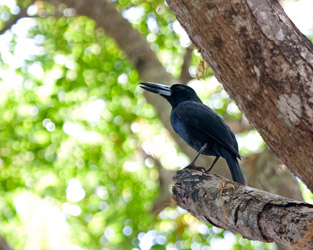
{"x": 192, "y": 166}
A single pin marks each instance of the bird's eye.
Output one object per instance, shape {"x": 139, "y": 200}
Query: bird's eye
{"x": 178, "y": 87}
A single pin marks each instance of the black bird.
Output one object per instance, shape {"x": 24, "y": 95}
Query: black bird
{"x": 199, "y": 126}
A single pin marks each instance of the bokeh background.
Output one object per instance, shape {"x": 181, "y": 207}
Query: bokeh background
{"x": 81, "y": 151}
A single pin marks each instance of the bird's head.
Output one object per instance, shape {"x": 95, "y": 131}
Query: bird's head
{"x": 175, "y": 94}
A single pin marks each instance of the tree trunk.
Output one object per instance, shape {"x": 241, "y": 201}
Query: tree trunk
{"x": 255, "y": 214}
{"x": 266, "y": 66}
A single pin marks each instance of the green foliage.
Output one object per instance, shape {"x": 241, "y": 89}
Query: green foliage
{"x": 306, "y": 193}
{"x": 70, "y": 119}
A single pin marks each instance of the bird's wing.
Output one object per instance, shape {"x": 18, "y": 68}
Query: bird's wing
{"x": 202, "y": 118}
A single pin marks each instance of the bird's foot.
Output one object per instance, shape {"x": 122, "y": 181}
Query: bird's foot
{"x": 212, "y": 165}
{"x": 192, "y": 166}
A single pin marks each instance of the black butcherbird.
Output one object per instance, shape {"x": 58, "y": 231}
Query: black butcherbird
{"x": 199, "y": 126}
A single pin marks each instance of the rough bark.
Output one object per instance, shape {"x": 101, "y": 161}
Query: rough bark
{"x": 255, "y": 214}
{"x": 265, "y": 64}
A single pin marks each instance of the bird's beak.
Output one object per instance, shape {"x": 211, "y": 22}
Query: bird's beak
{"x": 156, "y": 88}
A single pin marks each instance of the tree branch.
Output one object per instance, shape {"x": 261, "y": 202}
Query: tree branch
{"x": 4, "y": 245}
{"x": 238, "y": 126}
{"x": 255, "y": 214}
{"x": 10, "y": 23}
{"x": 185, "y": 76}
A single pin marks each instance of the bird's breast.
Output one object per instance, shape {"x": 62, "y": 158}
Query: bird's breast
{"x": 187, "y": 133}
{"x": 180, "y": 127}
{"x": 194, "y": 137}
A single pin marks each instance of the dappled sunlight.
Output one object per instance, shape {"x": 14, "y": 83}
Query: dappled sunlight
{"x": 80, "y": 133}
{"x": 134, "y": 14}
{"x": 158, "y": 143}
{"x": 45, "y": 224}
{"x": 74, "y": 191}
{"x": 184, "y": 38}
{"x": 250, "y": 142}
{"x": 303, "y": 21}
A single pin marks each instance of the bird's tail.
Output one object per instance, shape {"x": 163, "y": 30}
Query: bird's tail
{"x": 233, "y": 166}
